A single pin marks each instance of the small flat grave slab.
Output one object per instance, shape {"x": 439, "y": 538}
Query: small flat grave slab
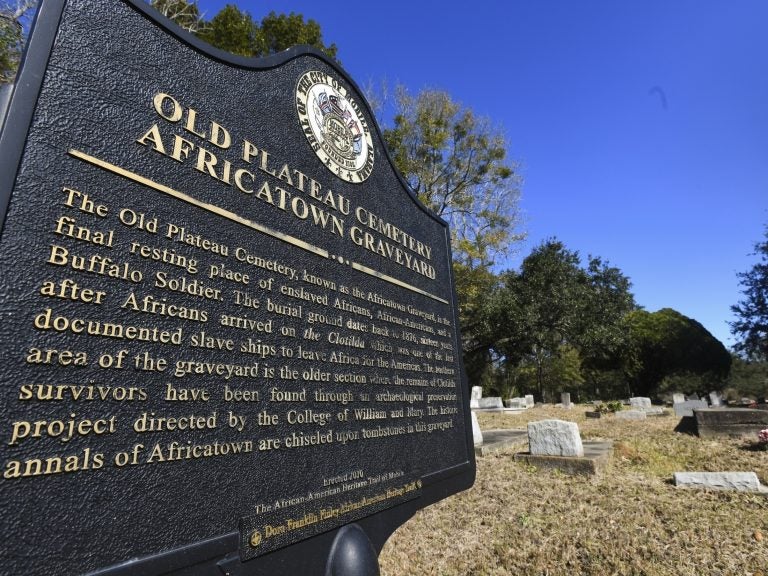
{"x": 498, "y": 440}
{"x": 738, "y": 481}
{"x": 597, "y": 455}
{"x": 631, "y": 415}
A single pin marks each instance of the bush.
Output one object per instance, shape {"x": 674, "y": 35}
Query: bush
{"x": 615, "y": 406}
{"x": 612, "y": 406}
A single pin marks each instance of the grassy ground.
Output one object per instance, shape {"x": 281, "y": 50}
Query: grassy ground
{"x": 630, "y": 520}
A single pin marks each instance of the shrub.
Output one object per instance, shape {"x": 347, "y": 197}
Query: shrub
{"x": 615, "y": 406}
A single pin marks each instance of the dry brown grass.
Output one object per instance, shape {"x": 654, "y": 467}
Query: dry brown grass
{"x": 630, "y": 520}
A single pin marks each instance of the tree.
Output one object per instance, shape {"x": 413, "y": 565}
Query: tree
{"x": 751, "y": 324}
{"x": 456, "y": 164}
{"x": 558, "y": 325}
{"x": 12, "y": 36}
{"x": 232, "y": 31}
{"x": 670, "y": 344}
{"x": 747, "y": 378}
{"x": 551, "y": 294}
{"x": 279, "y": 32}
{"x": 603, "y": 338}
{"x": 185, "y": 14}
{"x": 235, "y": 31}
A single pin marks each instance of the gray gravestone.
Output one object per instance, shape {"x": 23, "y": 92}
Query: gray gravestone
{"x": 739, "y": 481}
{"x": 640, "y": 402}
{"x": 631, "y": 415}
{"x": 490, "y": 403}
{"x": 554, "y": 438}
{"x": 714, "y": 422}
{"x": 686, "y": 408}
{"x": 516, "y": 404}
{"x": 565, "y": 400}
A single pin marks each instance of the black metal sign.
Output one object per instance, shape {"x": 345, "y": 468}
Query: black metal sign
{"x": 228, "y": 329}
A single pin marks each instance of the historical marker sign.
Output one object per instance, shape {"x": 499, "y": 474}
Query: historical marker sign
{"x": 228, "y": 329}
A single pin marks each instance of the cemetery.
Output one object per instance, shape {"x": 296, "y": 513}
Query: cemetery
{"x": 665, "y": 503}
{"x": 244, "y": 340}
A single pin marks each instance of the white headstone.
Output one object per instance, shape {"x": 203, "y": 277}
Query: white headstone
{"x": 477, "y": 393}
{"x": 554, "y": 438}
{"x": 490, "y": 402}
{"x": 477, "y": 434}
{"x": 677, "y": 398}
{"x": 529, "y": 400}
{"x": 741, "y": 481}
{"x": 715, "y": 399}
{"x": 654, "y": 411}
{"x": 640, "y": 402}
{"x": 516, "y": 403}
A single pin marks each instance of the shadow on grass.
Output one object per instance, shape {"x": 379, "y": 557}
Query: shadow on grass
{"x": 753, "y": 447}
{"x": 687, "y": 425}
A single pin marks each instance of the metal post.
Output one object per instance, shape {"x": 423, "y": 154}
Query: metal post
{"x": 352, "y": 554}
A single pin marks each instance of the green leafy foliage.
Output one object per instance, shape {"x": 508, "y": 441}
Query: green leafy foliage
{"x": 667, "y": 344}
{"x": 609, "y": 407}
{"x": 615, "y": 406}
{"x": 279, "y": 32}
{"x": 13, "y": 35}
{"x": 234, "y": 30}
{"x": 456, "y": 164}
{"x": 560, "y": 323}
{"x": 231, "y": 30}
{"x": 748, "y": 378}
{"x": 751, "y": 324}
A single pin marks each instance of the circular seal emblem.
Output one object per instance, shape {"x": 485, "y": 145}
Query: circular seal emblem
{"x": 334, "y": 126}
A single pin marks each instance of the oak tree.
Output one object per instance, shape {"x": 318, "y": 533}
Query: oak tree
{"x": 456, "y": 163}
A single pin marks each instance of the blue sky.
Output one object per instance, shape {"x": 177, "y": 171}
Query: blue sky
{"x": 641, "y": 127}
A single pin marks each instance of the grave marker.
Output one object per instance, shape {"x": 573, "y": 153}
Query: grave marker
{"x": 554, "y": 438}
{"x": 226, "y": 342}
{"x": 477, "y": 394}
{"x": 738, "y": 481}
{"x": 686, "y": 408}
{"x": 640, "y": 403}
{"x": 529, "y": 401}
